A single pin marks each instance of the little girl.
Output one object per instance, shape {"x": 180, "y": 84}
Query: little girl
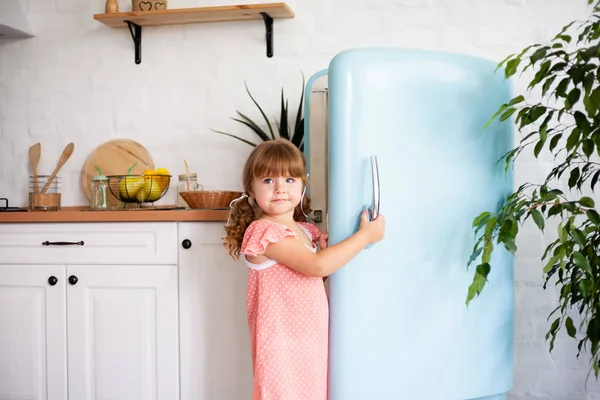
{"x": 288, "y": 313}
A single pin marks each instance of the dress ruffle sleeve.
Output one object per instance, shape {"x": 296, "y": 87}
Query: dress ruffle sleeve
{"x": 314, "y": 231}
{"x": 260, "y": 234}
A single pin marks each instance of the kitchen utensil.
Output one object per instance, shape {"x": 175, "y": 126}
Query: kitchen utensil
{"x": 35, "y": 153}
{"x": 61, "y": 161}
{"x": 115, "y": 157}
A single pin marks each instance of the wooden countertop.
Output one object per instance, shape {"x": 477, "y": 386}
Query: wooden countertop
{"x": 84, "y": 214}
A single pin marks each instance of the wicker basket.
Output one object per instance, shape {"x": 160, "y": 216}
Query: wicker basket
{"x": 210, "y": 198}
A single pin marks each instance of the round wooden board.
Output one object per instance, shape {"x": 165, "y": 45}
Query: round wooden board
{"x": 115, "y": 157}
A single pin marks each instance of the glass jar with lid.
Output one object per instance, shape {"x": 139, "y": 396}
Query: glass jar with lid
{"x": 187, "y": 183}
{"x": 99, "y": 193}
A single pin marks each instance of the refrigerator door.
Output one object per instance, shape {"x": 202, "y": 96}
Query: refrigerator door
{"x": 399, "y": 327}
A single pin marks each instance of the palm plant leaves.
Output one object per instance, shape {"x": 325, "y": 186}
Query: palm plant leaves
{"x": 252, "y": 125}
{"x": 283, "y": 128}
{"x": 283, "y": 119}
{"x": 261, "y": 111}
{"x": 235, "y": 137}
{"x": 298, "y": 138}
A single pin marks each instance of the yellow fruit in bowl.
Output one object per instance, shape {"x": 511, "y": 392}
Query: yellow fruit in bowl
{"x": 149, "y": 172}
{"x": 151, "y": 190}
{"x": 163, "y": 181}
{"x": 130, "y": 186}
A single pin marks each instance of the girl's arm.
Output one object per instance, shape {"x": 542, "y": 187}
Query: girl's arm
{"x": 292, "y": 253}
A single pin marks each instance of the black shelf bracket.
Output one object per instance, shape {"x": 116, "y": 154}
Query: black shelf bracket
{"x": 136, "y": 35}
{"x": 269, "y": 33}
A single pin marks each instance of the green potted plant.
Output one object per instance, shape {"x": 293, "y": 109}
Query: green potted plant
{"x": 296, "y": 136}
{"x": 565, "y": 123}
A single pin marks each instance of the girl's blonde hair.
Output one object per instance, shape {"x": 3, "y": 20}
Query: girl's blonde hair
{"x": 271, "y": 158}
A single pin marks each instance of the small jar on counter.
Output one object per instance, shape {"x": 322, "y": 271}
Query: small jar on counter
{"x": 187, "y": 183}
{"x": 99, "y": 193}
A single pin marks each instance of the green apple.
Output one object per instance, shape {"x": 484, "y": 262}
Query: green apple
{"x": 130, "y": 186}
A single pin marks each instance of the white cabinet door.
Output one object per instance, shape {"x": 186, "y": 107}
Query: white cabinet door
{"x": 214, "y": 338}
{"x": 33, "y": 357}
{"x": 123, "y": 332}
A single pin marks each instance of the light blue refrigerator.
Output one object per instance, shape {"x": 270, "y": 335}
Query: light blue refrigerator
{"x": 399, "y": 326}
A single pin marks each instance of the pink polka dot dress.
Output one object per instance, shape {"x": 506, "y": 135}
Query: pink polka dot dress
{"x": 288, "y": 317}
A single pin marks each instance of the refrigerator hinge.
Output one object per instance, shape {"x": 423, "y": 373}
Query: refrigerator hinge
{"x": 318, "y": 216}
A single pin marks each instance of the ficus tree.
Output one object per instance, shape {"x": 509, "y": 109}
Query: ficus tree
{"x": 566, "y": 123}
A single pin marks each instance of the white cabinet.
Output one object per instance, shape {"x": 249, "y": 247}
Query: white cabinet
{"x": 122, "y": 332}
{"x": 215, "y": 344}
{"x": 104, "y": 330}
{"x": 122, "y": 311}
{"x": 89, "y": 243}
{"x": 33, "y": 353}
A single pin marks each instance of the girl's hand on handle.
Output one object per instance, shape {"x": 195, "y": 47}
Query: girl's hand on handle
{"x": 375, "y": 229}
{"x": 293, "y": 253}
{"x": 323, "y": 241}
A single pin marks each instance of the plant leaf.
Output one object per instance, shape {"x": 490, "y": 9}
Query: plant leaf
{"x": 516, "y": 100}
{"x": 493, "y": 117}
{"x": 587, "y": 202}
{"x": 507, "y": 114}
{"x": 479, "y": 281}
{"x": 235, "y": 137}
{"x": 261, "y": 111}
{"x": 582, "y": 262}
{"x": 474, "y": 256}
{"x": 283, "y": 119}
{"x": 571, "y": 331}
{"x": 252, "y": 125}
{"x": 481, "y": 219}
{"x": 538, "y": 218}
{"x": 595, "y": 179}
{"x": 593, "y": 216}
{"x": 298, "y": 135}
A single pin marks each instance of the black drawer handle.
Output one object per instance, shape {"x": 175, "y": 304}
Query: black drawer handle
{"x": 52, "y": 280}
{"x": 47, "y": 243}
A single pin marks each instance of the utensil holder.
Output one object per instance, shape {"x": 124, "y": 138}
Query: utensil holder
{"x": 49, "y": 201}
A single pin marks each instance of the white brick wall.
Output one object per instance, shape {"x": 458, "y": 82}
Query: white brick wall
{"x": 76, "y": 81}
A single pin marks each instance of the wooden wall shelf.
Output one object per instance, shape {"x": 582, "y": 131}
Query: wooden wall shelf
{"x": 137, "y": 19}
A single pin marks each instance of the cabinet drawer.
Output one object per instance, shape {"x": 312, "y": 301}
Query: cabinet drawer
{"x": 89, "y": 243}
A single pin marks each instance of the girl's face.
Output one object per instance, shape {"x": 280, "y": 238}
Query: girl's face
{"x": 277, "y": 195}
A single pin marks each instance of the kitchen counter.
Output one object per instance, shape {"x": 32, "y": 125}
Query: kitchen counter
{"x": 85, "y": 214}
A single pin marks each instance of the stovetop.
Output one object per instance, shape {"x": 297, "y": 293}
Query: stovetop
{"x": 4, "y": 207}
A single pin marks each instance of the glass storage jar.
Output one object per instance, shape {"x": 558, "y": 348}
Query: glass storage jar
{"x": 99, "y": 193}
{"x": 49, "y": 200}
{"x": 187, "y": 183}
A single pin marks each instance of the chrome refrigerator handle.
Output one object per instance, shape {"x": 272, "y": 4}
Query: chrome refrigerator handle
{"x": 376, "y": 197}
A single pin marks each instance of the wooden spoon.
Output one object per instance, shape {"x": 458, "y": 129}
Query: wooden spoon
{"x": 61, "y": 161}
{"x": 35, "y": 153}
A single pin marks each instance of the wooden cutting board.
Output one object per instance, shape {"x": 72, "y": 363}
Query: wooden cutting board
{"x": 115, "y": 157}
